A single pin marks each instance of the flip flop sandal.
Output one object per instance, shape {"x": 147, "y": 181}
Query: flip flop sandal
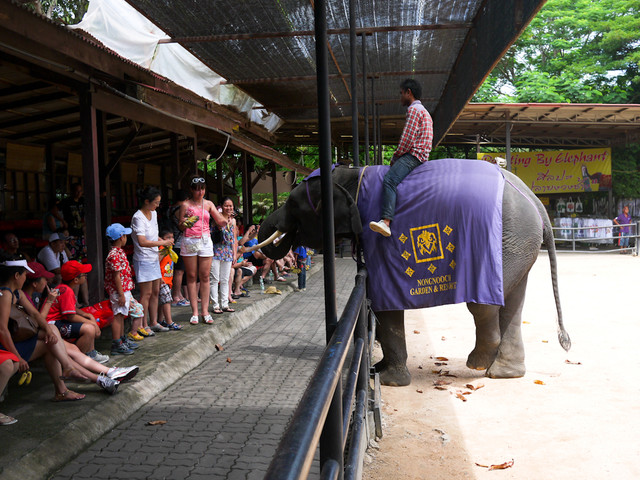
{"x": 245, "y": 294}
{"x": 217, "y": 311}
{"x": 64, "y": 397}
{"x": 6, "y": 420}
{"x": 174, "y": 326}
{"x": 25, "y": 378}
{"x": 234, "y": 296}
{"x": 208, "y": 319}
{"x": 230, "y": 310}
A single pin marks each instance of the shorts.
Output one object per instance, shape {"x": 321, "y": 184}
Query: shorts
{"x": 131, "y": 307}
{"x": 196, "y": 246}
{"x": 147, "y": 271}
{"x": 69, "y": 330}
{"x": 248, "y": 271}
{"x": 165, "y": 294}
{"x": 25, "y": 348}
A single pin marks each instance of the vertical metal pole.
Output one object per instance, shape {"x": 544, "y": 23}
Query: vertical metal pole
{"x": 364, "y": 99}
{"x": 331, "y": 438}
{"x": 354, "y": 84}
{"x": 508, "y": 141}
{"x": 247, "y": 214}
{"x": 219, "y": 181}
{"x": 274, "y": 186}
{"x": 91, "y": 180}
{"x": 379, "y": 127}
{"x": 373, "y": 123}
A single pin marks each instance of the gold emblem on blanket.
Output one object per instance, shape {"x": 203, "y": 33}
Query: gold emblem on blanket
{"x": 426, "y": 243}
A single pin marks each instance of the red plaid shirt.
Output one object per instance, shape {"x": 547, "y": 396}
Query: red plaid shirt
{"x": 417, "y": 135}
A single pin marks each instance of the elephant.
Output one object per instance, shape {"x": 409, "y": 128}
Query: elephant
{"x": 499, "y": 348}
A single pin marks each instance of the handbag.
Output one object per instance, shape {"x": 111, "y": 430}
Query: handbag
{"x": 21, "y": 326}
{"x": 217, "y": 235}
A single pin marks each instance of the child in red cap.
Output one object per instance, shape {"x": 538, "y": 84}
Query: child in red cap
{"x": 68, "y": 318}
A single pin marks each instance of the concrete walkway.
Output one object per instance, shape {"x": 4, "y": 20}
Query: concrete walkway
{"x": 225, "y": 411}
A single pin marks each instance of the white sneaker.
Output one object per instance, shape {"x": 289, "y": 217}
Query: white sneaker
{"x": 194, "y": 320}
{"x": 123, "y": 374}
{"x": 380, "y": 227}
{"x": 108, "y": 384}
{"x": 97, "y": 356}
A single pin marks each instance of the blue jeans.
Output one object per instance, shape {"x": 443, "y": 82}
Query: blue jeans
{"x": 400, "y": 169}
{"x": 302, "y": 276}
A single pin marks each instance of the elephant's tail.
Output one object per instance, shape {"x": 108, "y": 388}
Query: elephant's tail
{"x": 563, "y": 336}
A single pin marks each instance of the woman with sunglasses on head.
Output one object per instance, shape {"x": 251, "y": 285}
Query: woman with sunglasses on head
{"x": 197, "y": 247}
{"x": 146, "y": 262}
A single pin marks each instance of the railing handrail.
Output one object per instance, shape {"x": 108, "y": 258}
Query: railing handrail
{"x": 296, "y": 450}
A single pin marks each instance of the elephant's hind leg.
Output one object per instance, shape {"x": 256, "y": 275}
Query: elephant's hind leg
{"x": 390, "y": 332}
{"x": 509, "y": 362}
{"x": 486, "y": 318}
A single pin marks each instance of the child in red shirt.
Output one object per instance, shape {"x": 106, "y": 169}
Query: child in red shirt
{"x": 118, "y": 283}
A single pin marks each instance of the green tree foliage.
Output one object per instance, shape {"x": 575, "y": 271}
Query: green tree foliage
{"x": 68, "y": 12}
{"x": 579, "y": 51}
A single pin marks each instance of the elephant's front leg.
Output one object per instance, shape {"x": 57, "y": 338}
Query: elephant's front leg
{"x": 509, "y": 362}
{"x": 390, "y": 332}
{"x": 486, "y": 318}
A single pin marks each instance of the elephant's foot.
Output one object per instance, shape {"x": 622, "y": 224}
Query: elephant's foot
{"x": 481, "y": 359}
{"x": 502, "y": 369}
{"x": 395, "y": 376}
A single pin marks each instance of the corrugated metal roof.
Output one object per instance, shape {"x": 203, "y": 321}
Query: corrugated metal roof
{"x": 268, "y": 50}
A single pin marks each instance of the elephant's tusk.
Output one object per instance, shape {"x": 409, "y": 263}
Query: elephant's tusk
{"x": 268, "y": 241}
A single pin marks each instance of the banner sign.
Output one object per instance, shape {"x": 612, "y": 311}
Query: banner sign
{"x": 566, "y": 171}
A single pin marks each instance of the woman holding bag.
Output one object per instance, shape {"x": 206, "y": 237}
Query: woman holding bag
{"x": 197, "y": 247}
{"x": 223, "y": 254}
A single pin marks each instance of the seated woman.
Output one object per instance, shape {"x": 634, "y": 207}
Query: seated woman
{"x": 46, "y": 343}
{"x": 37, "y": 291}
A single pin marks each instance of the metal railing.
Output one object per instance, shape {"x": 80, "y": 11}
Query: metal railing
{"x": 578, "y": 236}
{"x": 324, "y": 413}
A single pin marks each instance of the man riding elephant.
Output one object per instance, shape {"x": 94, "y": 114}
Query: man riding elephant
{"x": 413, "y": 149}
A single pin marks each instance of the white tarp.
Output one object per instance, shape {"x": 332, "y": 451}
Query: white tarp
{"x": 124, "y": 30}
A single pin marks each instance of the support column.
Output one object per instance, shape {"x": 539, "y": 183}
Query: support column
{"x": 374, "y": 117}
{"x": 91, "y": 180}
{"x": 508, "y": 141}
{"x": 247, "y": 214}
{"x": 364, "y": 99}
{"x": 355, "y": 144}
{"x": 175, "y": 164}
{"x": 219, "y": 181}
{"x": 274, "y": 185}
{"x": 331, "y": 437}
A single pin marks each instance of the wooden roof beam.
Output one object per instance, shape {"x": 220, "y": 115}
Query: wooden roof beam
{"x": 312, "y": 78}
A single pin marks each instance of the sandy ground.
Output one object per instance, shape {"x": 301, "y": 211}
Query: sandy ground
{"x": 582, "y": 423}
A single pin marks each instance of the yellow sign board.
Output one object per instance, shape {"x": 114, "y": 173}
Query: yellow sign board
{"x": 565, "y": 171}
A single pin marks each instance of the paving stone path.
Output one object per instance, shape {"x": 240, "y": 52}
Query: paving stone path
{"x": 225, "y": 418}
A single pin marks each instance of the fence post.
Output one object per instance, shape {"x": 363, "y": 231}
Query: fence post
{"x": 636, "y": 249}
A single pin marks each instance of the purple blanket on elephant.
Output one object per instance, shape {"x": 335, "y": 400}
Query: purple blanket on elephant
{"x": 446, "y": 238}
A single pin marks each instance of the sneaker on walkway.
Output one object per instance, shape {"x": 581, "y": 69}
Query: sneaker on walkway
{"x": 108, "y": 384}
{"x": 380, "y": 227}
{"x": 136, "y": 337}
{"x": 123, "y": 374}
{"x": 143, "y": 333}
{"x": 97, "y": 356}
{"x": 120, "y": 348}
{"x": 150, "y": 333}
{"x": 159, "y": 328}
{"x": 130, "y": 343}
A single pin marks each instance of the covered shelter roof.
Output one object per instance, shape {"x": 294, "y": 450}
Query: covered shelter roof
{"x": 537, "y": 125}
{"x": 268, "y": 50}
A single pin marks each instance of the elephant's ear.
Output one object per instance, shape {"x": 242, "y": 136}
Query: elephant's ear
{"x": 352, "y": 224}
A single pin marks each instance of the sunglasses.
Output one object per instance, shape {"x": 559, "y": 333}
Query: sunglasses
{"x": 195, "y": 181}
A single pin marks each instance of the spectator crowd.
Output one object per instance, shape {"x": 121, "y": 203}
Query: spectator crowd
{"x": 195, "y": 254}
